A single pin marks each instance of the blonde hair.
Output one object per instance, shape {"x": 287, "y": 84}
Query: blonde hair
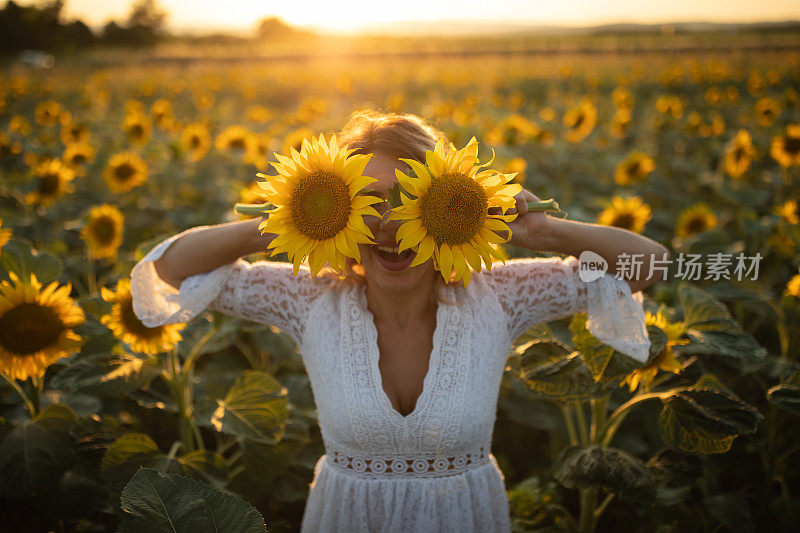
{"x": 397, "y": 135}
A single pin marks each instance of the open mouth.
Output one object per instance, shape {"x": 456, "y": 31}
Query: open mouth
{"x": 391, "y": 259}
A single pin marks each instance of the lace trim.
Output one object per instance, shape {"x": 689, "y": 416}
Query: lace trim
{"x": 407, "y": 466}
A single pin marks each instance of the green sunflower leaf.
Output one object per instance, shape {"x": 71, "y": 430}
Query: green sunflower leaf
{"x": 154, "y": 502}
{"x": 705, "y": 418}
{"x": 621, "y": 473}
{"x": 255, "y": 407}
{"x": 36, "y": 453}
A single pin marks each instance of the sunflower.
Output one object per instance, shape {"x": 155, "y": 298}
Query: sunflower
{"x": 580, "y": 120}
{"x": 739, "y": 155}
{"x": 196, "y": 140}
{"x": 103, "y": 231}
{"x": 634, "y": 169}
{"x": 295, "y": 139}
{"x": 125, "y": 171}
{"x": 54, "y": 179}
{"x": 448, "y": 217}
{"x": 234, "y": 139}
{"x": 518, "y": 166}
{"x": 793, "y": 287}
{"x": 628, "y": 213}
{"x": 767, "y": 110}
{"x": 35, "y": 326}
{"x": 252, "y": 194}
{"x": 785, "y": 149}
{"x": 258, "y": 113}
{"x": 138, "y": 128}
{"x": 47, "y": 113}
{"x": 670, "y": 105}
{"x": 621, "y": 123}
{"x": 695, "y": 219}
{"x": 127, "y": 327}
{"x": 77, "y": 154}
{"x": 622, "y": 98}
{"x": 781, "y": 242}
{"x": 9, "y": 147}
{"x": 74, "y": 132}
{"x": 5, "y": 234}
{"x": 161, "y": 112}
{"x": 666, "y": 359}
{"x": 788, "y": 212}
{"x": 319, "y": 211}
{"x": 256, "y": 153}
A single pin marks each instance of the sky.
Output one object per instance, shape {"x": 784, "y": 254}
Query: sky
{"x": 351, "y": 15}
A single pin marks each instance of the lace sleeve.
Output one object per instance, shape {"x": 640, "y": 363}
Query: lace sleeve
{"x": 264, "y": 291}
{"x": 536, "y": 290}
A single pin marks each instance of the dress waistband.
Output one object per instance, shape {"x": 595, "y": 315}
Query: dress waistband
{"x": 416, "y": 465}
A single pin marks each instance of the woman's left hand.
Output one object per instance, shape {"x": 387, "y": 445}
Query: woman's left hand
{"x": 529, "y": 227}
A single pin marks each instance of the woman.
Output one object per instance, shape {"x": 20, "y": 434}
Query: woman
{"x": 405, "y": 369}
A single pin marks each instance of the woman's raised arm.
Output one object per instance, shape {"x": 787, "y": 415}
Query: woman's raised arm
{"x": 539, "y": 232}
{"x": 209, "y": 248}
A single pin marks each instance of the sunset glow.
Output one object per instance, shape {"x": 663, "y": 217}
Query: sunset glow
{"x": 352, "y": 15}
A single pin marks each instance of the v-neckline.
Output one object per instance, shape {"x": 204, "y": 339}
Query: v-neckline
{"x": 374, "y": 355}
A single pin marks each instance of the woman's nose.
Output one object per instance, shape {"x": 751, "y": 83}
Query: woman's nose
{"x": 387, "y": 225}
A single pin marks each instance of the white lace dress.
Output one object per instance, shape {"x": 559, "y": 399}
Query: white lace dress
{"x": 432, "y": 470}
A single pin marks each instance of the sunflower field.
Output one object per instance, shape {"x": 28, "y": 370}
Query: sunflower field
{"x": 100, "y": 415}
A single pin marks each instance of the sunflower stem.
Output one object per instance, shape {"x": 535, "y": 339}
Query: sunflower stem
{"x": 545, "y": 205}
{"x": 619, "y": 415}
{"x": 28, "y": 404}
{"x": 92, "y": 277}
{"x": 573, "y": 435}
{"x": 252, "y": 209}
{"x": 35, "y": 393}
{"x": 261, "y": 209}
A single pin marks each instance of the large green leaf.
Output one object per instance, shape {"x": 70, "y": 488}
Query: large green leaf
{"x": 20, "y": 257}
{"x": 127, "y": 454}
{"x": 786, "y": 394}
{"x": 705, "y": 418}
{"x": 549, "y": 369}
{"x": 678, "y": 466}
{"x": 623, "y": 474}
{"x": 97, "y": 374}
{"x": 711, "y": 328}
{"x": 699, "y": 306}
{"x": 36, "y": 453}
{"x": 136, "y": 450}
{"x": 154, "y": 502}
{"x": 255, "y": 407}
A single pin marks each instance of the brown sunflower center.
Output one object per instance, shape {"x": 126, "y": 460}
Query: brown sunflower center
{"x": 132, "y": 323}
{"x": 136, "y": 131}
{"x": 28, "y": 328}
{"x": 697, "y": 224}
{"x": 454, "y": 209}
{"x": 124, "y": 171}
{"x": 792, "y": 145}
{"x": 578, "y": 121}
{"x": 48, "y": 184}
{"x": 194, "y": 142}
{"x": 78, "y": 158}
{"x": 624, "y": 220}
{"x": 320, "y": 205}
{"x": 635, "y": 168}
{"x": 104, "y": 229}
{"x": 237, "y": 143}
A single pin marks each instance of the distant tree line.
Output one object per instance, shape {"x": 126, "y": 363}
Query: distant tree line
{"x": 41, "y": 27}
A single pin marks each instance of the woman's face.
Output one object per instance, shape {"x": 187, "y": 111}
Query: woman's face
{"x": 382, "y": 264}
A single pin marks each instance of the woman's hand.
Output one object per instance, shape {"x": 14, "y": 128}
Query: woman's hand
{"x": 529, "y": 227}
